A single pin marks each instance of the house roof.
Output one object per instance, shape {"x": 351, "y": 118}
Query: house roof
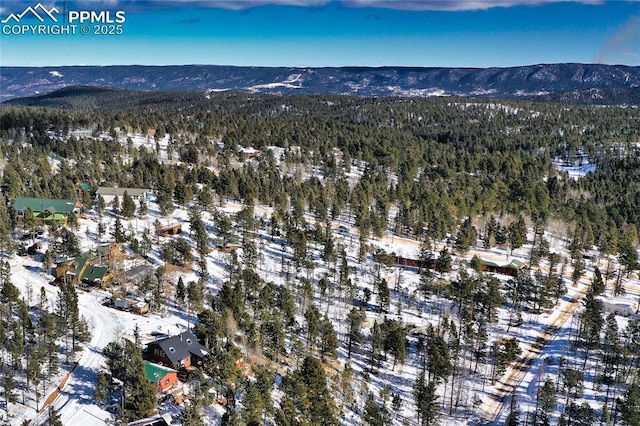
{"x": 181, "y": 347}
{"x": 514, "y": 264}
{"x": 151, "y": 421}
{"x": 45, "y": 204}
{"x": 138, "y": 271}
{"x": 106, "y": 249}
{"x": 94, "y": 273}
{"x": 78, "y": 262}
{"x": 133, "y": 192}
{"x": 155, "y": 372}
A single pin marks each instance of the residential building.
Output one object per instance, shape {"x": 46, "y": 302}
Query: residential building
{"x": 109, "y": 194}
{"x": 162, "y": 376}
{"x": 89, "y": 267}
{"x": 47, "y": 210}
{"x": 181, "y": 351}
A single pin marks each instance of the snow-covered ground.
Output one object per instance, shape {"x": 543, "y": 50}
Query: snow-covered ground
{"x": 75, "y": 401}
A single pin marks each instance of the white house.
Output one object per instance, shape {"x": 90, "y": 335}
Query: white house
{"x": 109, "y": 194}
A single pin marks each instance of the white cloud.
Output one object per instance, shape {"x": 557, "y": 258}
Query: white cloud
{"x": 455, "y": 5}
{"x": 415, "y": 5}
{"x": 228, "y": 4}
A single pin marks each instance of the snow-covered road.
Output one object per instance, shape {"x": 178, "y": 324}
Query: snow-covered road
{"x": 75, "y": 402}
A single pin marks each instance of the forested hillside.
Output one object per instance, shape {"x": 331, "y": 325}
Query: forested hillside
{"x": 582, "y": 83}
{"x": 337, "y": 255}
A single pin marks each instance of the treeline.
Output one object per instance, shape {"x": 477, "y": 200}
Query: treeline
{"x": 438, "y": 161}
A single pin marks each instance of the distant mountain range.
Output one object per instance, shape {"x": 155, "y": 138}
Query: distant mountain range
{"x": 572, "y": 83}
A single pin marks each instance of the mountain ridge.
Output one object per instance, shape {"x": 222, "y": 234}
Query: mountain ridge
{"x": 510, "y": 82}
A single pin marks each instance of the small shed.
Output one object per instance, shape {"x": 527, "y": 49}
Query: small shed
{"x": 169, "y": 230}
{"x": 140, "y": 308}
{"x": 163, "y": 377}
{"x": 122, "y": 304}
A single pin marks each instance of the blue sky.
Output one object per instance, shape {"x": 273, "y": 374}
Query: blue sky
{"x": 478, "y": 33}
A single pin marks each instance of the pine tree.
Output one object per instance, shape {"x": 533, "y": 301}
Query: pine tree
{"x": 629, "y": 405}
{"x": 199, "y": 232}
{"x": 209, "y": 327}
{"x": 628, "y": 253}
{"x": 53, "y": 417}
{"x": 9, "y": 386}
{"x": 490, "y": 232}
{"x": 466, "y": 236}
{"x": 101, "y": 388}
{"x": 438, "y": 357}
{"x": 139, "y": 393}
{"x": 69, "y": 245}
{"x": 592, "y": 321}
{"x": 190, "y": 415}
{"x": 545, "y": 403}
{"x": 128, "y": 205}
{"x": 598, "y": 283}
{"x": 320, "y": 405}
{"x": 69, "y": 318}
{"x": 49, "y": 333}
{"x": 118, "y": 231}
{"x": 116, "y": 205}
{"x": 100, "y": 205}
{"x": 513, "y": 418}
{"x": 374, "y": 415}
{"x": 395, "y": 341}
{"x": 426, "y": 398}
{"x": 502, "y": 235}
{"x": 312, "y": 316}
{"x": 328, "y": 339}
{"x": 181, "y": 291}
{"x": 355, "y": 320}
{"x": 142, "y": 208}
{"x": 578, "y": 270}
{"x": 114, "y": 355}
{"x": 384, "y": 295}
{"x": 517, "y": 233}
{"x": 443, "y": 264}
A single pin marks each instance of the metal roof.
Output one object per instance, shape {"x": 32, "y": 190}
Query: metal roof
{"x": 514, "y": 264}
{"x": 155, "y": 372}
{"x": 95, "y": 274}
{"x": 119, "y": 192}
{"x": 45, "y": 204}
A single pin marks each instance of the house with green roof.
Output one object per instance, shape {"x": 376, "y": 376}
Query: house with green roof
{"x": 88, "y": 267}
{"x": 163, "y": 377}
{"x": 512, "y": 268}
{"x": 96, "y": 275}
{"x": 47, "y": 210}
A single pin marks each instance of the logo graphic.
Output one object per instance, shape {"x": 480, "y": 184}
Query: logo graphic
{"x": 50, "y": 22}
{"x": 33, "y": 11}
